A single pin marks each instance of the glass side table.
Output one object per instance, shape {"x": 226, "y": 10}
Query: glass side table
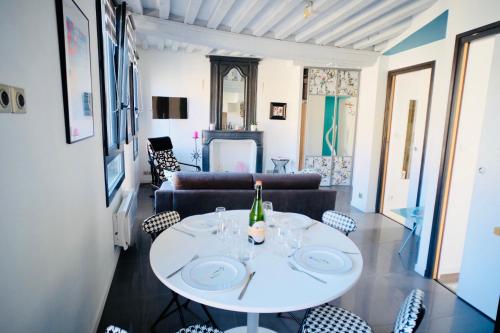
{"x": 280, "y": 164}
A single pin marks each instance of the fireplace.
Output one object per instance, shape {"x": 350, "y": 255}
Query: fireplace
{"x": 232, "y": 151}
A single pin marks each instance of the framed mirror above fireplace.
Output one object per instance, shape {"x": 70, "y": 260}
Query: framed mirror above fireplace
{"x": 233, "y": 92}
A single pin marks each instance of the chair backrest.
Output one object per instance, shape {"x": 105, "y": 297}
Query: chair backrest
{"x": 199, "y": 329}
{"x": 157, "y": 223}
{"x": 161, "y": 161}
{"x": 114, "y": 329}
{"x": 411, "y": 313}
{"x": 339, "y": 221}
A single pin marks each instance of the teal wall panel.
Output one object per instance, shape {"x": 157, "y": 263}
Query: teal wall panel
{"x": 328, "y": 125}
{"x": 433, "y": 31}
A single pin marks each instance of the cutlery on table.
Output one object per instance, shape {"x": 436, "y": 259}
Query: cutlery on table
{"x": 184, "y": 232}
{"x": 347, "y": 252}
{"x": 177, "y": 271}
{"x": 244, "y": 290}
{"x": 295, "y": 268}
{"x": 311, "y": 225}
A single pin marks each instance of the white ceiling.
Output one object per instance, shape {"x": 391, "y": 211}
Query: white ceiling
{"x": 364, "y": 25}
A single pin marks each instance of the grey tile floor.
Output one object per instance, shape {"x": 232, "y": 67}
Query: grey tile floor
{"x": 136, "y": 297}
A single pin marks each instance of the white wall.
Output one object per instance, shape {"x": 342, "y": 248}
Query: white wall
{"x": 279, "y": 81}
{"x": 167, "y": 73}
{"x": 57, "y": 255}
{"x": 463, "y": 16}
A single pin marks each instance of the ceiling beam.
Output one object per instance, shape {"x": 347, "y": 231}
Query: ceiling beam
{"x": 407, "y": 10}
{"x": 219, "y": 13}
{"x": 250, "y": 9}
{"x": 265, "y": 47}
{"x": 164, "y": 9}
{"x": 288, "y": 27}
{"x": 192, "y": 9}
{"x": 273, "y": 17}
{"x": 357, "y": 21}
{"x": 337, "y": 15}
{"x": 383, "y": 35}
{"x": 381, "y": 47}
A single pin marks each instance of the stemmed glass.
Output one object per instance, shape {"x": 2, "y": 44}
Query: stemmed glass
{"x": 221, "y": 228}
{"x": 268, "y": 213}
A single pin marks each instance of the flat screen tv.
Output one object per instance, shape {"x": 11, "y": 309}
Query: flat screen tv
{"x": 169, "y": 107}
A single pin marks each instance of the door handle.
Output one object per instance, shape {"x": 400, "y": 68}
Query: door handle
{"x": 482, "y": 170}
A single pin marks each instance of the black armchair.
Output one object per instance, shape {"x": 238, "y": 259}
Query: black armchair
{"x": 161, "y": 159}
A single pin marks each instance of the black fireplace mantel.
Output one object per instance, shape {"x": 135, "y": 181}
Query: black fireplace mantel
{"x": 208, "y": 136}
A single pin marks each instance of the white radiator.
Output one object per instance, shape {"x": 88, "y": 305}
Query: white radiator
{"x": 124, "y": 223}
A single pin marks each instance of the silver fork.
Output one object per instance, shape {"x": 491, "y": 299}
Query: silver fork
{"x": 292, "y": 266}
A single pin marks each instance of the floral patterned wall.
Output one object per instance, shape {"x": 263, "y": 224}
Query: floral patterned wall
{"x": 335, "y": 170}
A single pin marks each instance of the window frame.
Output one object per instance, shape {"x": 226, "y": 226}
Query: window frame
{"x": 115, "y": 150}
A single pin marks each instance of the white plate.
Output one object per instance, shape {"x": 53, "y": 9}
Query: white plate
{"x": 294, "y": 220}
{"x": 322, "y": 259}
{"x": 202, "y": 223}
{"x": 214, "y": 273}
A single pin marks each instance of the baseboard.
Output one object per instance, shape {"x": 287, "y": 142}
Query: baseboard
{"x": 103, "y": 300}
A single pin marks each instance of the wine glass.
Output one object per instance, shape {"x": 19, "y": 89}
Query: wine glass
{"x": 221, "y": 227}
{"x": 268, "y": 213}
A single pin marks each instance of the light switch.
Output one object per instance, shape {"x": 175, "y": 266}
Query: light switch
{"x": 5, "y": 99}
{"x": 18, "y": 100}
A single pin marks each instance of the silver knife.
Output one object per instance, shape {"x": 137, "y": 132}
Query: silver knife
{"x": 177, "y": 271}
{"x": 244, "y": 290}
{"x": 184, "y": 232}
{"x": 311, "y": 225}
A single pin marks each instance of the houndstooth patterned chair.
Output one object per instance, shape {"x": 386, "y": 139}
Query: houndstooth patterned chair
{"x": 339, "y": 221}
{"x": 331, "y": 319}
{"x": 411, "y": 313}
{"x": 328, "y": 318}
{"x": 114, "y": 329}
{"x": 155, "y": 224}
{"x": 199, "y": 329}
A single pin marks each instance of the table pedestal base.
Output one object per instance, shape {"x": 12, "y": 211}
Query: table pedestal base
{"x": 252, "y": 326}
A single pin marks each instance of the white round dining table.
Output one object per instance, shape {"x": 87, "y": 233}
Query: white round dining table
{"x": 274, "y": 288}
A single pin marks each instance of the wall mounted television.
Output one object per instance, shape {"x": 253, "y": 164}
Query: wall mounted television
{"x": 169, "y": 107}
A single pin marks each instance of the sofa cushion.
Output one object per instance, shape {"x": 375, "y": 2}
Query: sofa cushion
{"x": 288, "y": 181}
{"x": 212, "y": 181}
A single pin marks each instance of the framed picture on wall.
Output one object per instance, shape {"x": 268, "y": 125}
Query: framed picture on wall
{"x": 278, "y": 111}
{"x": 76, "y": 77}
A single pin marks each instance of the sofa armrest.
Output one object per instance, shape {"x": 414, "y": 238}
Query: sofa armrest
{"x": 164, "y": 198}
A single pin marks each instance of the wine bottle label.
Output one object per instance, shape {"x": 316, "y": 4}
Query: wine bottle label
{"x": 257, "y": 232}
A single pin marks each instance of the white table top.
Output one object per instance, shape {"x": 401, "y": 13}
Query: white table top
{"x": 274, "y": 288}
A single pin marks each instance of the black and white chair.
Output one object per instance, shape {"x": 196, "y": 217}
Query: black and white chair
{"x": 199, "y": 329}
{"x": 339, "y": 221}
{"x": 155, "y": 225}
{"x": 161, "y": 158}
{"x": 114, "y": 329}
{"x": 332, "y": 319}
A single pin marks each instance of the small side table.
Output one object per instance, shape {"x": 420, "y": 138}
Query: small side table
{"x": 280, "y": 164}
{"x": 413, "y": 213}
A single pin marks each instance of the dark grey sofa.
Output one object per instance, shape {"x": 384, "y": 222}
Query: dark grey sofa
{"x": 194, "y": 193}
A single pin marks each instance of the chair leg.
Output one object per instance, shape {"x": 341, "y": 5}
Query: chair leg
{"x": 292, "y": 316}
{"x": 212, "y": 321}
{"x": 163, "y": 314}
{"x": 181, "y": 315}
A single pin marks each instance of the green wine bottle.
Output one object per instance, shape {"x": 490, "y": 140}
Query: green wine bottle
{"x": 257, "y": 225}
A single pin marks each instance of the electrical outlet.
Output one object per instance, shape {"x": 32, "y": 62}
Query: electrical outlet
{"x": 18, "y": 100}
{"x": 5, "y": 99}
